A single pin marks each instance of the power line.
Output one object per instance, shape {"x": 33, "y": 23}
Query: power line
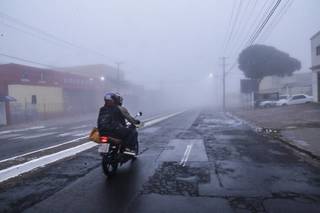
{"x": 234, "y": 23}
{"x": 31, "y": 34}
{"x": 277, "y": 19}
{"x": 48, "y": 35}
{"x": 230, "y": 21}
{"x": 260, "y": 29}
{"x": 242, "y": 17}
{"x": 264, "y": 12}
{"x": 264, "y": 23}
{"x": 26, "y": 60}
{"x": 246, "y": 29}
{"x": 257, "y": 21}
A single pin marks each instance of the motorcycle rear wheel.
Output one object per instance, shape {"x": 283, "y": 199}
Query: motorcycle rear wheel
{"x": 136, "y": 150}
{"x": 109, "y": 168}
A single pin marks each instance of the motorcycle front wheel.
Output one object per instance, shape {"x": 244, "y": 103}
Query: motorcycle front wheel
{"x": 109, "y": 166}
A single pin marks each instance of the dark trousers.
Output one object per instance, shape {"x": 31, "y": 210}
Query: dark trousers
{"x": 128, "y": 135}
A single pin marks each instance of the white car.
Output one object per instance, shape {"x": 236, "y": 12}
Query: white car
{"x": 295, "y": 99}
{"x": 267, "y": 104}
{"x": 272, "y": 103}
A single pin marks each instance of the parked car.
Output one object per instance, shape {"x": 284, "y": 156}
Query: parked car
{"x": 267, "y": 104}
{"x": 271, "y": 103}
{"x": 295, "y": 99}
{"x": 281, "y": 97}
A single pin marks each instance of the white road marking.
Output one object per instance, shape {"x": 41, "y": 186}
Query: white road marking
{"x": 7, "y": 136}
{"x": 81, "y": 134}
{"x": 44, "y": 149}
{"x": 74, "y": 133}
{"x": 186, "y": 155}
{"x": 14, "y": 171}
{"x": 65, "y": 134}
{"x": 48, "y": 129}
{"x": 36, "y": 136}
{"x": 79, "y": 127}
{"x": 19, "y": 169}
{"x": 182, "y": 150}
{"x": 157, "y": 120}
{"x": 21, "y": 130}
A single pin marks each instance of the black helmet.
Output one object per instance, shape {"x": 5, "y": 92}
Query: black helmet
{"x": 110, "y": 96}
{"x": 119, "y": 99}
{"x": 115, "y": 97}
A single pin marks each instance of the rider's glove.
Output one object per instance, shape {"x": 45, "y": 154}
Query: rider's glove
{"x": 138, "y": 122}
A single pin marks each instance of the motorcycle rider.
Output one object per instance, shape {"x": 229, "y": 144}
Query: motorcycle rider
{"x": 112, "y": 122}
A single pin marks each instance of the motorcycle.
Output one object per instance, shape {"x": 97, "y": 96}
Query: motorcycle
{"x": 113, "y": 152}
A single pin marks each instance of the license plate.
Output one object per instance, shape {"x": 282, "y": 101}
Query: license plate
{"x": 103, "y": 148}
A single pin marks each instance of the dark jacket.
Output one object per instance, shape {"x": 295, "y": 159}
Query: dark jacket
{"x": 109, "y": 119}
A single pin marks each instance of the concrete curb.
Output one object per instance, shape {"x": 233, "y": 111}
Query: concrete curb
{"x": 275, "y": 134}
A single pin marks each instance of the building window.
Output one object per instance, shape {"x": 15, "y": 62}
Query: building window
{"x": 42, "y": 76}
{"x": 33, "y": 99}
{"x": 24, "y": 75}
{"x": 318, "y": 50}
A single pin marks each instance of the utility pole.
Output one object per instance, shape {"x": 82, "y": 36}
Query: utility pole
{"x": 223, "y": 83}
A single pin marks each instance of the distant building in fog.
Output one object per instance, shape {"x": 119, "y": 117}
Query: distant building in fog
{"x": 96, "y": 71}
{"x": 315, "y": 66}
{"x": 41, "y": 93}
{"x": 300, "y": 82}
{"x": 114, "y": 80}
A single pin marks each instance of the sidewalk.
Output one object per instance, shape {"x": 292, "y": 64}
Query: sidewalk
{"x": 298, "y": 125}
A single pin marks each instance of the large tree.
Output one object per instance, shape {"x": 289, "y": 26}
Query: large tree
{"x": 259, "y": 61}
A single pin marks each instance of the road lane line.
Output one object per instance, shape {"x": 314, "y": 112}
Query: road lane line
{"x": 9, "y": 136}
{"x": 79, "y": 127}
{"x": 43, "y": 149}
{"x": 186, "y": 155}
{"x": 40, "y": 162}
{"x": 74, "y": 133}
{"x": 48, "y": 129}
{"x": 19, "y": 169}
{"x": 21, "y": 130}
{"x": 157, "y": 120}
{"x": 36, "y": 136}
{"x": 81, "y": 134}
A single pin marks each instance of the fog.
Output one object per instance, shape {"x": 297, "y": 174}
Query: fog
{"x": 173, "y": 48}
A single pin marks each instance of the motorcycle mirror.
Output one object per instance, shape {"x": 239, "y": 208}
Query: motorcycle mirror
{"x": 139, "y": 114}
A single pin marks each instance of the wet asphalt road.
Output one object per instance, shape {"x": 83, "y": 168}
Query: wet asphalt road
{"x": 34, "y": 137}
{"x": 229, "y": 168}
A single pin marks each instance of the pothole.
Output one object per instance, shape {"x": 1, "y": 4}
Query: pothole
{"x": 174, "y": 179}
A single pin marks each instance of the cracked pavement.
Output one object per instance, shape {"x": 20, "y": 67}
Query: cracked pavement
{"x": 229, "y": 168}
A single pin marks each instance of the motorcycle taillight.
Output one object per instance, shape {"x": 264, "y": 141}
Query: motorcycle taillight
{"x": 104, "y": 139}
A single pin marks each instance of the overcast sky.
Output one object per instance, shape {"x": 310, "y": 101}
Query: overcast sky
{"x": 173, "y": 41}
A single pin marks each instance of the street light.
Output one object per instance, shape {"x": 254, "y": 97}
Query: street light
{"x": 210, "y": 75}
{"x": 102, "y": 78}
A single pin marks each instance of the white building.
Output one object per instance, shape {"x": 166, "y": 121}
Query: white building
{"x": 299, "y": 82}
{"x": 315, "y": 61}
